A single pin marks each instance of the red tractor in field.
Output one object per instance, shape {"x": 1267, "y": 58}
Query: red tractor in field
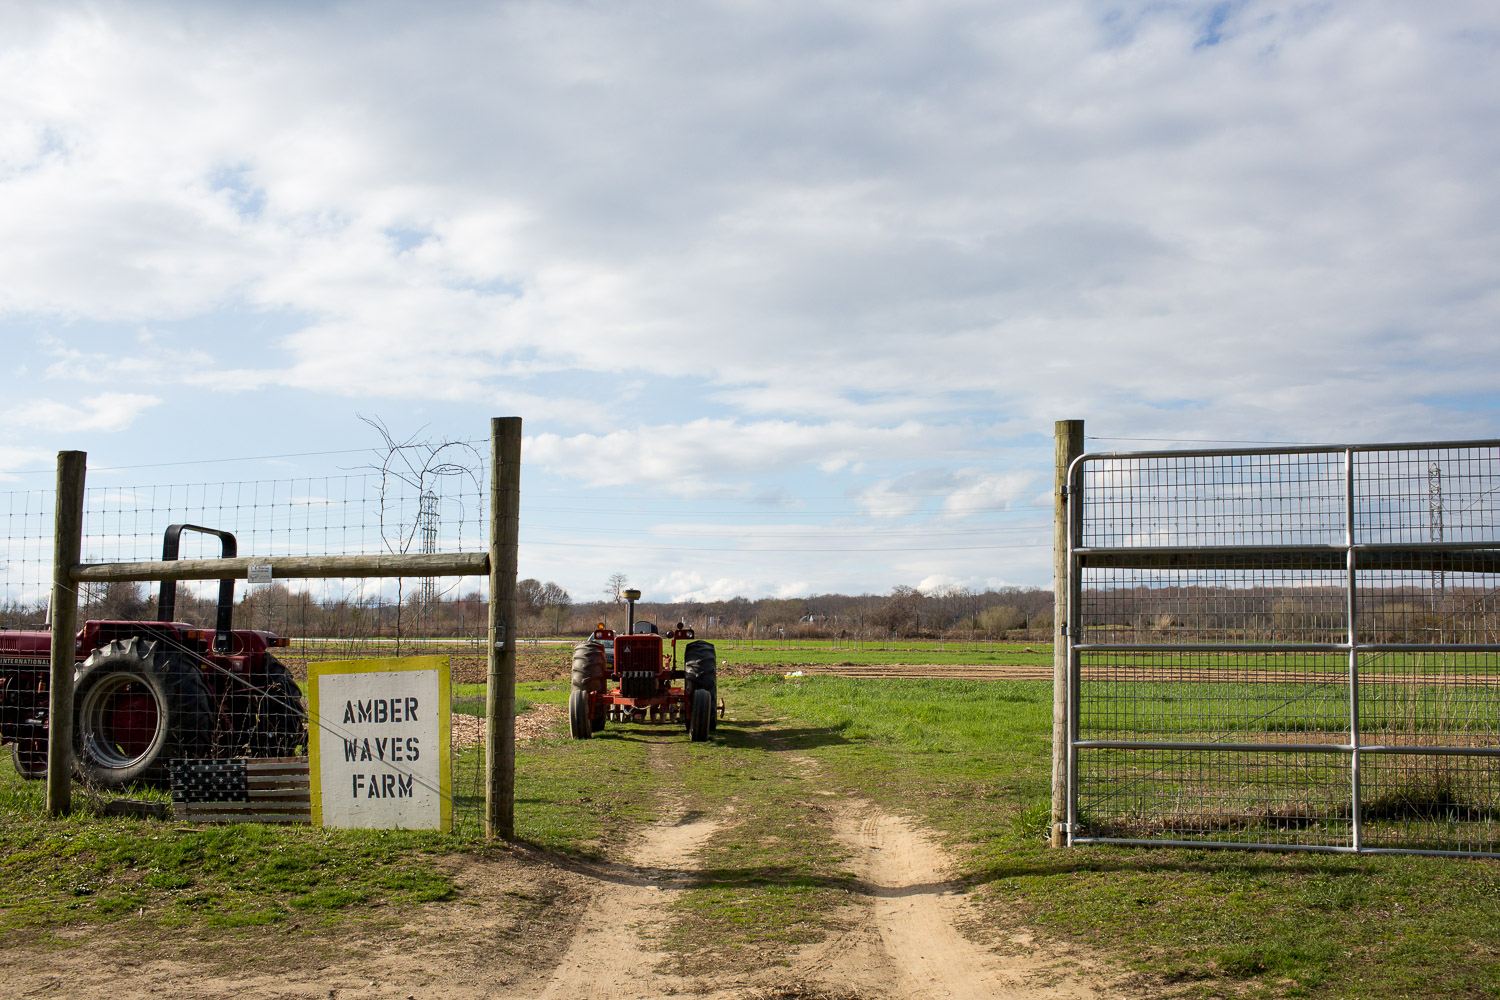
{"x": 146, "y": 692}
{"x": 627, "y": 677}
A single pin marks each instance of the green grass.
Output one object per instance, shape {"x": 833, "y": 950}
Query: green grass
{"x": 833, "y": 653}
{"x": 469, "y": 699}
{"x": 584, "y": 797}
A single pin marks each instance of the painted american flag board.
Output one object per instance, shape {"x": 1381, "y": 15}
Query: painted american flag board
{"x": 379, "y": 743}
{"x": 242, "y": 790}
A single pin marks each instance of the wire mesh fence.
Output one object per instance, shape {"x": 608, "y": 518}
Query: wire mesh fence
{"x": 191, "y": 670}
{"x": 1290, "y": 648}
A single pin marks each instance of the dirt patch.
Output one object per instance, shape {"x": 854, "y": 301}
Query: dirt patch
{"x": 468, "y": 730}
{"x": 506, "y": 926}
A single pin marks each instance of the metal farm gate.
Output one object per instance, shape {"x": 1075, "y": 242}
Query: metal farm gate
{"x": 1293, "y": 648}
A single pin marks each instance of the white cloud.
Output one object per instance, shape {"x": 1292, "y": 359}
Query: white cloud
{"x": 832, "y": 211}
{"x": 107, "y": 411}
{"x": 16, "y": 458}
{"x": 695, "y": 458}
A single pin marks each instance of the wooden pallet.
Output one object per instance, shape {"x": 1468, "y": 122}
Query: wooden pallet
{"x": 242, "y": 790}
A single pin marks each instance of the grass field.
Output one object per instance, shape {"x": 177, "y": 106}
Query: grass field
{"x": 793, "y": 653}
{"x": 971, "y": 759}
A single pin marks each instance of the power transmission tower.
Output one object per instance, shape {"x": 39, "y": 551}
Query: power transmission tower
{"x": 429, "y": 525}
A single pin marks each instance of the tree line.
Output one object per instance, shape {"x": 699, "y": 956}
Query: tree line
{"x": 547, "y": 609}
{"x": 1166, "y": 614}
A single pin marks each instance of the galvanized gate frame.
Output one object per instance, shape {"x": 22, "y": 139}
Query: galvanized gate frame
{"x": 1480, "y": 556}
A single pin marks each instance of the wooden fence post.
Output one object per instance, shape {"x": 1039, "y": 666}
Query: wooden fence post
{"x": 67, "y": 539}
{"x": 500, "y": 687}
{"x": 1068, "y": 445}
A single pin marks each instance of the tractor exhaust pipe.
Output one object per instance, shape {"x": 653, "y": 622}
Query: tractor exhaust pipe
{"x": 632, "y": 596}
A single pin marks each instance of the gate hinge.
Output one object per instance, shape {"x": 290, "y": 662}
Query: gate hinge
{"x": 1063, "y": 492}
{"x": 1065, "y": 628}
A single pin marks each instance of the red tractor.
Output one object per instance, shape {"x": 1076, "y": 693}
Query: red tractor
{"x": 627, "y": 677}
{"x": 147, "y": 692}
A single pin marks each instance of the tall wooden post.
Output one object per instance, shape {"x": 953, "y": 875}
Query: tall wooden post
{"x": 500, "y": 687}
{"x": 1068, "y": 445}
{"x": 67, "y": 540}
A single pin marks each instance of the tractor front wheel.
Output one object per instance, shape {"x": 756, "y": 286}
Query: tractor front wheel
{"x": 702, "y": 715}
{"x": 277, "y": 722}
{"x": 30, "y": 758}
{"x": 579, "y": 723}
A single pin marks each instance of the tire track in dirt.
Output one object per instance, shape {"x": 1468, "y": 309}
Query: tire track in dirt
{"x": 609, "y": 957}
{"x": 916, "y": 909}
{"x": 905, "y": 942}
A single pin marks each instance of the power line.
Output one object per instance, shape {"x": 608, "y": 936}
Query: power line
{"x": 1091, "y": 437}
{"x": 767, "y": 513}
{"x": 739, "y": 530}
{"x": 783, "y": 551}
{"x": 198, "y": 461}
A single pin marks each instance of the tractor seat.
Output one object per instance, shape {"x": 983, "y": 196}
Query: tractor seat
{"x": 645, "y": 628}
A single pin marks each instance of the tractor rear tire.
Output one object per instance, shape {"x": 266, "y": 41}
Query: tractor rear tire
{"x": 701, "y": 665}
{"x": 579, "y": 723}
{"x": 137, "y": 706}
{"x": 703, "y": 712}
{"x": 589, "y": 674}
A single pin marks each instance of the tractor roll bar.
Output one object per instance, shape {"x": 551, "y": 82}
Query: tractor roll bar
{"x": 166, "y": 603}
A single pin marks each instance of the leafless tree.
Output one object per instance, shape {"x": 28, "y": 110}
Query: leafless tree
{"x": 615, "y": 588}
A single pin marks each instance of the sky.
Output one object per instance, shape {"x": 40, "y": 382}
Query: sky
{"x": 787, "y": 295}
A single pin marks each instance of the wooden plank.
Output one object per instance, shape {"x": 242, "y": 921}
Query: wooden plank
{"x": 264, "y": 790}
{"x": 290, "y": 795}
{"x": 239, "y": 817}
{"x": 290, "y": 567}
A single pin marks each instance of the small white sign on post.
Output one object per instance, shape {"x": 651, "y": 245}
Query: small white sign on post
{"x": 258, "y": 573}
{"x": 378, "y": 743}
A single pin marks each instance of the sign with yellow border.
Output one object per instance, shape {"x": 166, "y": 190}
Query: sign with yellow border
{"x": 379, "y": 743}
